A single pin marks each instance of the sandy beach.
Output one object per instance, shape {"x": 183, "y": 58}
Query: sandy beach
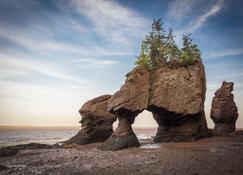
{"x": 216, "y": 155}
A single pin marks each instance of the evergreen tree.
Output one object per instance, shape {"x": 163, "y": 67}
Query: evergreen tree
{"x": 196, "y": 51}
{"x": 172, "y": 50}
{"x": 191, "y": 52}
{"x": 154, "y": 41}
{"x": 159, "y": 48}
{"x": 143, "y": 59}
{"x": 187, "y": 42}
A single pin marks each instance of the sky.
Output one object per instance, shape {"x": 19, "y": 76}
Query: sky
{"x": 57, "y": 54}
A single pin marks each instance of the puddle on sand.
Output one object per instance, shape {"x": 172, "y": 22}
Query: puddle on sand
{"x": 213, "y": 150}
{"x": 149, "y": 146}
{"x": 147, "y": 143}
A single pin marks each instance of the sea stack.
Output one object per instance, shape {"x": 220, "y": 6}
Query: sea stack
{"x": 175, "y": 96}
{"x": 96, "y": 122}
{"x": 224, "y": 111}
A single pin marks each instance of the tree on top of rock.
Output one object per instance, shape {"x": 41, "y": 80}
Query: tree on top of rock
{"x": 190, "y": 51}
{"x": 172, "y": 51}
{"x": 154, "y": 41}
{"x": 160, "y": 49}
{"x": 144, "y": 58}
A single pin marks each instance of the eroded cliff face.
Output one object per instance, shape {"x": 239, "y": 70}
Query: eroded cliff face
{"x": 179, "y": 90}
{"x": 134, "y": 94}
{"x": 175, "y": 96}
{"x": 96, "y": 122}
{"x": 224, "y": 111}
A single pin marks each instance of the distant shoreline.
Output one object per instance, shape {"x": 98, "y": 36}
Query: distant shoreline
{"x": 38, "y": 127}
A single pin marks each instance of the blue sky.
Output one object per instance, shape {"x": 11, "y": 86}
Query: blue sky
{"x": 57, "y": 54}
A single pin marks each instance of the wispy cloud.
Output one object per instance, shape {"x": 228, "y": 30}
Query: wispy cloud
{"x": 180, "y": 8}
{"x": 201, "y": 20}
{"x": 24, "y": 65}
{"x": 36, "y": 43}
{"x": 230, "y": 52}
{"x": 44, "y": 44}
{"x": 95, "y": 62}
{"x": 112, "y": 20}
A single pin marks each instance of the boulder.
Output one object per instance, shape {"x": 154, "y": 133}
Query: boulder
{"x": 175, "y": 96}
{"x": 224, "y": 111}
{"x": 96, "y": 122}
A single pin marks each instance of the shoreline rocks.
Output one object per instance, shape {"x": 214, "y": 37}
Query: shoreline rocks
{"x": 13, "y": 150}
{"x": 2, "y": 167}
{"x": 224, "y": 111}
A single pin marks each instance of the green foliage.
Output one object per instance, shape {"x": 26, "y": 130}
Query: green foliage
{"x": 143, "y": 59}
{"x": 159, "y": 48}
{"x": 172, "y": 51}
{"x": 190, "y": 52}
{"x": 154, "y": 41}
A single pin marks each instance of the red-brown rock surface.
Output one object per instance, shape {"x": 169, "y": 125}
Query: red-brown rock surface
{"x": 175, "y": 96}
{"x": 224, "y": 111}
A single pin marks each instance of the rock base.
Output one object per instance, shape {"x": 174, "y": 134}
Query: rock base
{"x": 117, "y": 142}
{"x": 221, "y": 129}
{"x": 82, "y": 138}
{"x": 177, "y": 128}
{"x": 123, "y": 137}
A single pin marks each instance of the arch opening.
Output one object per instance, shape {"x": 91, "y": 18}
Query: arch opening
{"x": 145, "y": 127}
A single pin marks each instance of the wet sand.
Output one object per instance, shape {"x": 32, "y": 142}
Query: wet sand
{"x": 217, "y": 155}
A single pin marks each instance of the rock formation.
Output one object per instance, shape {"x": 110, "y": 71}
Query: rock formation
{"x": 127, "y": 103}
{"x": 96, "y": 122}
{"x": 224, "y": 111}
{"x": 175, "y": 96}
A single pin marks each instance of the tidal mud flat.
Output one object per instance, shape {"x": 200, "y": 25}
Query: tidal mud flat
{"x": 216, "y": 155}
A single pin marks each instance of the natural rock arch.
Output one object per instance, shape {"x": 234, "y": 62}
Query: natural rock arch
{"x": 175, "y": 96}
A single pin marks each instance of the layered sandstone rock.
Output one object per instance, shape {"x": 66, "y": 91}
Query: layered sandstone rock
{"x": 175, "y": 96}
{"x": 96, "y": 122}
{"x": 177, "y": 103}
{"x": 224, "y": 111}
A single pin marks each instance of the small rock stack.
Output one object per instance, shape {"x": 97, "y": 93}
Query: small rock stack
{"x": 224, "y": 111}
{"x": 96, "y": 122}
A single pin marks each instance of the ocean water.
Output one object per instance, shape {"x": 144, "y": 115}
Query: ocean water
{"x": 50, "y": 135}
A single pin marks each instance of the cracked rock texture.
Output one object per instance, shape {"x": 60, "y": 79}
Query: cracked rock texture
{"x": 224, "y": 111}
{"x": 96, "y": 122}
{"x": 175, "y": 96}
